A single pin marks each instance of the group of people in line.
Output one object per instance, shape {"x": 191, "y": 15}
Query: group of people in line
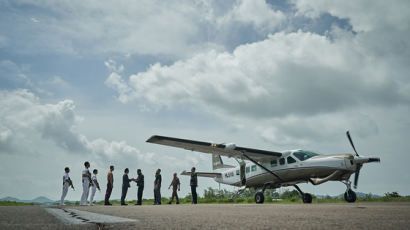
{"x": 90, "y": 181}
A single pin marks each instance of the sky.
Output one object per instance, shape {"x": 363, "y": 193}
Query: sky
{"x": 93, "y": 80}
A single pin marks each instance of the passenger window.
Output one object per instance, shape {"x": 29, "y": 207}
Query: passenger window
{"x": 282, "y": 161}
{"x": 253, "y": 168}
{"x": 248, "y": 169}
{"x": 291, "y": 160}
{"x": 237, "y": 172}
{"x": 273, "y": 163}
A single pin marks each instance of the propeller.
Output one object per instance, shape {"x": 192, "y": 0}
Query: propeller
{"x": 358, "y": 166}
{"x": 351, "y": 142}
{"x": 356, "y": 175}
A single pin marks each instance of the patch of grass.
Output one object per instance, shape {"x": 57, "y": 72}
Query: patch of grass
{"x": 13, "y": 203}
{"x": 288, "y": 197}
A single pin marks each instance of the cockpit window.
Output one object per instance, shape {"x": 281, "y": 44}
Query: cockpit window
{"x": 304, "y": 155}
{"x": 282, "y": 161}
{"x": 291, "y": 160}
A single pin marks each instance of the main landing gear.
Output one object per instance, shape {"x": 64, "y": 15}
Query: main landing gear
{"x": 259, "y": 197}
{"x": 350, "y": 195}
{"x": 306, "y": 197}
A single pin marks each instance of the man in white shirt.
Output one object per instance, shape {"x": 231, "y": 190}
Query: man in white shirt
{"x": 86, "y": 183}
{"x": 66, "y": 183}
{"x": 94, "y": 187}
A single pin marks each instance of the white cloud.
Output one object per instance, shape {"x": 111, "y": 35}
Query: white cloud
{"x": 171, "y": 29}
{"x": 255, "y": 12}
{"x": 364, "y": 15}
{"x": 95, "y": 27}
{"x": 25, "y": 120}
{"x": 291, "y": 80}
{"x": 112, "y": 66}
{"x": 285, "y": 74}
{"x": 35, "y": 20}
{"x": 115, "y": 82}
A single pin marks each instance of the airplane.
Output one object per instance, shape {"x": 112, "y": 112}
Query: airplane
{"x": 262, "y": 169}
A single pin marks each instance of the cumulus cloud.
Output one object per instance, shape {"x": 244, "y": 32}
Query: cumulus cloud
{"x": 283, "y": 75}
{"x": 258, "y": 13}
{"x": 364, "y": 15}
{"x": 178, "y": 28}
{"x": 294, "y": 77}
{"x": 25, "y": 120}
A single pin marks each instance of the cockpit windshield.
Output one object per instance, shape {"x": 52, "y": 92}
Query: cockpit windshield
{"x": 304, "y": 155}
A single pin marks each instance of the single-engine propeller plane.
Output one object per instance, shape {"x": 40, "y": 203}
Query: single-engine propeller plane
{"x": 261, "y": 169}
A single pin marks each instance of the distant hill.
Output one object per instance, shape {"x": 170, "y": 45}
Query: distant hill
{"x": 9, "y": 198}
{"x": 38, "y": 200}
{"x": 42, "y": 200}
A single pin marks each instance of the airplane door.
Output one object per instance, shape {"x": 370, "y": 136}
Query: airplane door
{"x": 242, "y": 172}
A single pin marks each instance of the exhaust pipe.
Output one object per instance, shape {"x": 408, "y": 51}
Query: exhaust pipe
{"x": 317, "y": 181}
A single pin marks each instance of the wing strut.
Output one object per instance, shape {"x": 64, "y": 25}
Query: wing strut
{"x": 257, "y": 163}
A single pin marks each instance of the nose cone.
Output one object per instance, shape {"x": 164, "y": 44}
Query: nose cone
{"x": 374, "y": 159}
{"x": 361, "y": 160}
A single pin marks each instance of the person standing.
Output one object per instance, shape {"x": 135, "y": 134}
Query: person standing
{"x": 140, "y": 184}
{"x": 175, "y": 185}
{"x": 86, "y": 179}
{"x": 157, "y": 187}
{"x": 194, "y": 184}
{"x": 94, "y": 187}
{"x": 66, "y": 183}
{"x": 125, "y": 185}
{"x": 110, "y": 185}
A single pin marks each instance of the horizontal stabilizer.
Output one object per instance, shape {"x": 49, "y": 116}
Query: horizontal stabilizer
{"x": 203, "y": 174}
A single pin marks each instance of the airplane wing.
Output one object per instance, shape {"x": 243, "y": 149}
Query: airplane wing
{"x": 228, "y": 150}
{"x": 203, "y": 174}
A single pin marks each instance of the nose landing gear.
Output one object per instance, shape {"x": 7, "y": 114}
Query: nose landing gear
{"x": 306, "y": 197}
{"x": 350, "y": 195}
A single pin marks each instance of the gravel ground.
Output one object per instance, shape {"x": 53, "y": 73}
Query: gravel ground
{"x": 227, "y": 216}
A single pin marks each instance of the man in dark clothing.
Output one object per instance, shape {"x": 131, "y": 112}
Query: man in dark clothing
{"x": 110, "y": 185}
{"x": 194, "y": 184}
{"x": 140, "y": 184}
{"x": 157, "y": 187}
{"x": 125, "y": 185}
{"x": 175, "y": 185}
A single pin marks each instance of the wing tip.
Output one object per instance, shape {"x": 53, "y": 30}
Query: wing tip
{"x": 153, "y": 139}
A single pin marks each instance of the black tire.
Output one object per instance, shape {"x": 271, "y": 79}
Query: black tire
{"x": 350, "y": 196}
{"x": 259, "y": 198}
{"x": 307, "y": 198}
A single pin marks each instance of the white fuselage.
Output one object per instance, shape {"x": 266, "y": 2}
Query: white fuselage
{"x": 290, "y": 170}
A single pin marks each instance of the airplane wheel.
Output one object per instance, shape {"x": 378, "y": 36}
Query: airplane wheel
{"x": 259, "y": 198}
{"x": 307, "y": 198}
{"x": 350, "y": 196}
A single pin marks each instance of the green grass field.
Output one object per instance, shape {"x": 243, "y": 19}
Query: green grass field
{"x": 13, "y": 203}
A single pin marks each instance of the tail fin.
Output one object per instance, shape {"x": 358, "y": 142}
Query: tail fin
{"x": 217, "y": 162}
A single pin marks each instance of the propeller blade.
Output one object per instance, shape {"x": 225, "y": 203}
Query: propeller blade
{"x": 351, "y": 142}
{"x": 356, "y": 175}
